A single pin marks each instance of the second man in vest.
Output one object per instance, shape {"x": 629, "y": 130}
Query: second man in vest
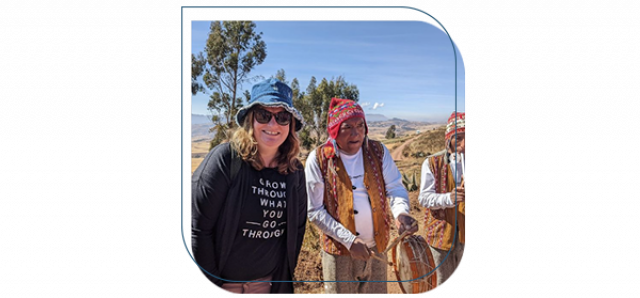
{"x": 442, "y": 192}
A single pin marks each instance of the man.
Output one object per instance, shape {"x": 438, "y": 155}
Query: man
{"x": 350, "y": 181}
{"x": 442, "y": 193}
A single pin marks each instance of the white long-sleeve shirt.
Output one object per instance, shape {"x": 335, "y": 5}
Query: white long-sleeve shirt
{"x": 397, "y": 194}
{"x": 428, "y": 196}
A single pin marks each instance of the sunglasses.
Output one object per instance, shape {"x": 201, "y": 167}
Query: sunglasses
{"x": 264, "y": 116}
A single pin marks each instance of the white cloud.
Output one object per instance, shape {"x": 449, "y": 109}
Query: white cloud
{"x": 377, "y": 105}
{"x": 364, "y": 104}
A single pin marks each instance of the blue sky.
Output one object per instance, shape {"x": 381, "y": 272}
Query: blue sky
{"x": 402, "y": 69}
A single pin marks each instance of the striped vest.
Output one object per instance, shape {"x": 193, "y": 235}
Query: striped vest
{"x": 440, "y": 224}
{"x": 338, "y": 194}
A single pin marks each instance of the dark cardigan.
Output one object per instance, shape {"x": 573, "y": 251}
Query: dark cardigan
{"x": 216, "y": 206}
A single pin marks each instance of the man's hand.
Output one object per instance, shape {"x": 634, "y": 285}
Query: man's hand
{"x": 406, "y": 223}
{"x": 457, "y": 195}
{"x": 359, "y": 250}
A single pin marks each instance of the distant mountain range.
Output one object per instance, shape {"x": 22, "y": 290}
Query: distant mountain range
{"x": 200, "y": 124}
{"x": 376, "y": 117}
{"x": 200, "y": 119}
{"x": 204, "y": 119}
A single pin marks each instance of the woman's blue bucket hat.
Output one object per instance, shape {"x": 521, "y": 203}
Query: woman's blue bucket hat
{"x": 271, "y": 93}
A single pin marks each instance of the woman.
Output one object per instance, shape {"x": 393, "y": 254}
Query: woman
{"x": 249, "y": 198}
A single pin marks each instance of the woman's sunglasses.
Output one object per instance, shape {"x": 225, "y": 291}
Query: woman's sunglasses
{"x": 264, "y": 116}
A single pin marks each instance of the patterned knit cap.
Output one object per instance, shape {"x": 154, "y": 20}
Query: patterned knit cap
{"x": 341, "y": 110}
{"x": 454, "y": 124}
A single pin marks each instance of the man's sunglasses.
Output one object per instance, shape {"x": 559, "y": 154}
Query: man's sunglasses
{"x": 264, "y": 116}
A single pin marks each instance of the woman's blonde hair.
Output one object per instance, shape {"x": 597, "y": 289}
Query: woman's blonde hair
{"x": 244, "y": 143}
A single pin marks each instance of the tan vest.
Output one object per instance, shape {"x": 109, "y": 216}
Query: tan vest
{"x": 440, "y": 224}
{"x": 338, "y": 194}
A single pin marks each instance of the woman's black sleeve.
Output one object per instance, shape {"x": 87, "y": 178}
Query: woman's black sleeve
{"x": 302, "y": 211}
{"x": 209, "y": 187}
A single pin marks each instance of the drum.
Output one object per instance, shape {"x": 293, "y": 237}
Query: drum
{"x": 412, "y": 259}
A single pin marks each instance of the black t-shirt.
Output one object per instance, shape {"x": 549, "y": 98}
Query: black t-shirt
{"x": 259, "y": 246}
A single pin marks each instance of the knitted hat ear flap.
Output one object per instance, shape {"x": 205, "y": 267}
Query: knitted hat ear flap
{"x": 366, "y": 141}
{"x": 331, "y": 165}
{"x": 335, "y": 148}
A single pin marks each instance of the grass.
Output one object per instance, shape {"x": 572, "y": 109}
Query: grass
{"x": 199, "y": 149}
{"x": 428, "y": 142}
{"x": 398, "y": 140}
{"x": 309, "y": 263}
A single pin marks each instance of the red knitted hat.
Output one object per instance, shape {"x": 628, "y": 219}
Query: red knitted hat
{"x": 454, "y": 124}
{"x": 341, "y": 110}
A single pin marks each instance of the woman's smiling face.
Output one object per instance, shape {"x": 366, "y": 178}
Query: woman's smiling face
{"x": 271, "y": 134}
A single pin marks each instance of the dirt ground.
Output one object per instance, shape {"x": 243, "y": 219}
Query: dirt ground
{"x": 396, "y": 154}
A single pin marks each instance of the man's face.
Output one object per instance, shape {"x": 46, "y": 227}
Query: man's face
{"x": 351, "y": 135}
{"x": 457, "y": 143}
